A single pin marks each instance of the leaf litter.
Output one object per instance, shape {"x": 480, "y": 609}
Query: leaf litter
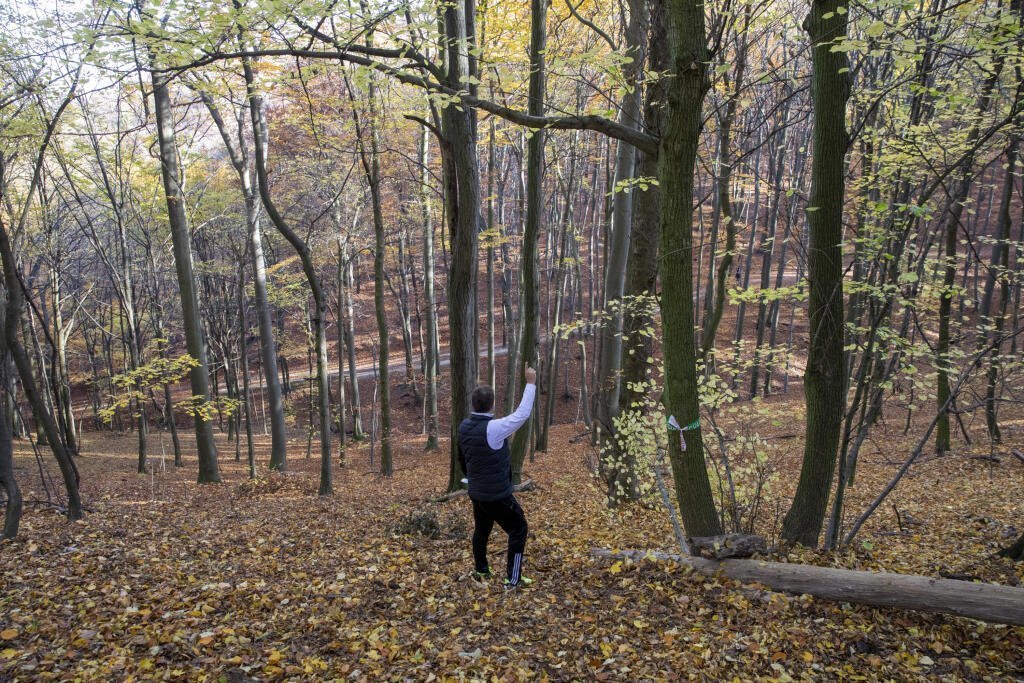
{"x": 263, "y": 580}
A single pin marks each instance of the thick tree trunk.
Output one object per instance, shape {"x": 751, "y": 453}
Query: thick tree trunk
{"x": 984, "y": 601}
{"x": 825, "y": 375}
{"x": 529, "y": 307}
{"x": 678, "y": 154}
{"x": 463, "y": 205}
{"x": 182, "y": 241}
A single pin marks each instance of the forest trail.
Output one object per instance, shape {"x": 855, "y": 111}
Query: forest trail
{"x": 368, "y": 370}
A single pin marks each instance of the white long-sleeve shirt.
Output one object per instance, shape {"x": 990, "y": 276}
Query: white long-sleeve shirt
{"x": 501, "y": 428}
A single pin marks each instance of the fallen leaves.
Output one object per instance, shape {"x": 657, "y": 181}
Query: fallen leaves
{"x": 267, "y": 581}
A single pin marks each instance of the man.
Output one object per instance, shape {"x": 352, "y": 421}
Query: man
{"x": 486, "y": 460}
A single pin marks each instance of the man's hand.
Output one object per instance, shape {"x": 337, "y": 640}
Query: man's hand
{"x": 531, "y": 375}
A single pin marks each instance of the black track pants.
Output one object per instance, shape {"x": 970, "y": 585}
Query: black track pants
{"x": 509, "y": 516}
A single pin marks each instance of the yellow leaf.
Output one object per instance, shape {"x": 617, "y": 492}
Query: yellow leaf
{"x": 9, "y": 634}
{"x": 615, "y": 568}
{"x": 9, "y": 653}
{"x": 808, "y": 657}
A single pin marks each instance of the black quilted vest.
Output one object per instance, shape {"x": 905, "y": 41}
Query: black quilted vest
{"x": 489, "y": 471}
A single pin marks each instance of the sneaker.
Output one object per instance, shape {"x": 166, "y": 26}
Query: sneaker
{"x": 481, "y": 576}
{"x": 523, "y": 581}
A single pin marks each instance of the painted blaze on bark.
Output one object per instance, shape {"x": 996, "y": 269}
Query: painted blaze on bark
{"x": 824, "y": 378}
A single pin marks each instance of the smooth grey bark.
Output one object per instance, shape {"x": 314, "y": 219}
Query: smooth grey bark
{"x": 243, "y": 352}
{"x": 62, "y": 375}
{"x": 430, "y": 351}
{"x": 242, "y": 163}
{"x": 350, "y": 350}
{"x": 367, "y": 131}
{"x": 985, "y": 601}
{"x": 181, "y": 238}
{"x": 340, "y": 317}
{"x": 319, "y": 316}
{"x": 491, "y": 168}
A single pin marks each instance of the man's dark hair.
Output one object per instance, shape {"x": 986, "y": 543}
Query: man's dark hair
{"x": 482, "y": 399}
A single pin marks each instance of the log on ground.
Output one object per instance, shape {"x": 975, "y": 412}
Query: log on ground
{"x": 983, "y": 601}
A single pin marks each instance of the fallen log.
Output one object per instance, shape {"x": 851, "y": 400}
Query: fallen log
{"x": 983, "y": 601}
{"x": 727, "y": 546}
{"x": 527, "y": 485}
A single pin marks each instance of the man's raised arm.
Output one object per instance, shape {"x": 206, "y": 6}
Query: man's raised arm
{"x": 501, "y": 428}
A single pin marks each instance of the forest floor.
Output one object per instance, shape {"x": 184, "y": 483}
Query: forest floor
{"x": 263, "y": 580}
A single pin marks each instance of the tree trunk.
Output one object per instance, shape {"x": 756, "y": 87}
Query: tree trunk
{"x": 182, "y": 240}
{"x": 309, "y": 269}
{"x": 825, "y": 375}
{"x": 529, "y": 308}
{"x": 717, "y": 288}
{"x": 430, "y": 363}
{"x": 642, "y": 265}
{"x": 998, "y": 273}
{"x": 373, "y": 178}
{"x": 463, "y": 203}
{"x": 954, "y": 212}
{"x": 609, "y": 360}
{"x": 268, "y": 345}
{"x": 12, "y": 515}
{"x": 243, "y": 350}
{"x": 350, "y": 350}
{"x": 340, "y": 317}
{"x": 678, "y": 155}
{"x": 12, "y": 324}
